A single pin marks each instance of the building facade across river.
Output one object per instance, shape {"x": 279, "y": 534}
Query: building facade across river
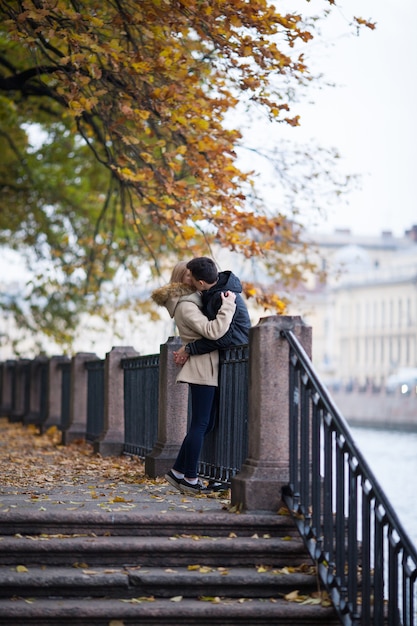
{"x": 365, "y": 316}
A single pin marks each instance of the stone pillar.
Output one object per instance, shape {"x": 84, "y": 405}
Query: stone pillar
{"x": 266, "y": 470}
{"x": 78, "y": 399}
{"x": 53, "y": 408}
{"x": 112, "y": 441}
{"x": 172, "y": 413}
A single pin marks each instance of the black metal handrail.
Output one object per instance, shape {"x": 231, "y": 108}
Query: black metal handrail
{"x": 366, "y": 560}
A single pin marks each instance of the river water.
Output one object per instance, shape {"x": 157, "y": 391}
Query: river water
{"x": 392, "y": 457}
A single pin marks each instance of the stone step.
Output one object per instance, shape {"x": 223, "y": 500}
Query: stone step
{"x": 162, "y": 612}
{"x": 178, "y": 550}
{"x": 165, "y": 567}
{"x": 145, "y": 523}
{"x": 201, "y": 581}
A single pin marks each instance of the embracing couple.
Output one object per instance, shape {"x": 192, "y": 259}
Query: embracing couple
{"x": 209, "y": 313}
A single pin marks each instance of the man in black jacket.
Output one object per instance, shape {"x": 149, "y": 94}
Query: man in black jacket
{"x": 211, "y": 284}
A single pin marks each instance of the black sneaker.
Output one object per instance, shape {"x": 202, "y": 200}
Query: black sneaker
{"x": 193, "y": 490}
{"x": 215, "y": 486}
{"x": 173, "y": 480}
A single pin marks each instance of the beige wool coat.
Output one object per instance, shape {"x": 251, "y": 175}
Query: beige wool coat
{"x": 184, "y": 305}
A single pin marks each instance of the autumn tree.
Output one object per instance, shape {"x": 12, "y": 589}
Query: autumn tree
{"x": 119, "y": 142}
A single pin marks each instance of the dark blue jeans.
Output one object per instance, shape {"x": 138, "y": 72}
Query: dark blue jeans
{"x": 202, "y": 422}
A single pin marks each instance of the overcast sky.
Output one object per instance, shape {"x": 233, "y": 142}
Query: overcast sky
{"x": 370, "y": 116}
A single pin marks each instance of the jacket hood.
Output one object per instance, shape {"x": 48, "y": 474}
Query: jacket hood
{"x": 227, "y": 282}
{"x": 169, "y": 295}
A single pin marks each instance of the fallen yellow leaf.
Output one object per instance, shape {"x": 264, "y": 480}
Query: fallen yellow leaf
{"x": 294, "y": 596}
{"x": 283, "y": 511}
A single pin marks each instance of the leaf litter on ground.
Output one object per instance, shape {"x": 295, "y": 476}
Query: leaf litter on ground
{"x": 23, "y": 450}
{"x": 34, "y": 464}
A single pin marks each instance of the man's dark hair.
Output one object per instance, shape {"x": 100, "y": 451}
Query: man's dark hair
{"x": 203, "y": 268}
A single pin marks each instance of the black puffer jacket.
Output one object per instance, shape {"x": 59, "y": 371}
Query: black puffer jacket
{"x": 238, "y": 332}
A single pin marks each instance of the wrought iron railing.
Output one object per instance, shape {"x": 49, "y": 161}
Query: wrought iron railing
{"x": 225, "y": 448}
{"x": 8, "y": 384}
{"x": 65, "y": 395}
{"x": 141, "y": 398}
{"x": 38, "y": 392}
{"x": 43, "y": 392}
{"x": 365, "y": 558}
{"x": 95, "y": 399}
{"x": 20, "y": 390}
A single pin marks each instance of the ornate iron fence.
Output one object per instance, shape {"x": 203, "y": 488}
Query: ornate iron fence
{"x": 365, "y": 559}
{"x": 95, "y": 399}
{"x": 141, "y": 391}
{"x": 65, "y": 395}
{"x": 225, "y": 448}
{"x": 38, "y": 382}
{"x": 20, "y": 405}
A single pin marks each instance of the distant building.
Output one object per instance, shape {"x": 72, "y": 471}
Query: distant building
{"x": 364, "y": 316}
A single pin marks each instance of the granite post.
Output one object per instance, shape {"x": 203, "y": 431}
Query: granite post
{"x": 112, "y": 440}
{"x": 78, "y": 398}
{"x": 172, "y": 413}
{"x": 266, "y": 470}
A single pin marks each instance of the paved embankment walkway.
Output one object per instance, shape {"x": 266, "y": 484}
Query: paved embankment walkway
{"x": 39, "y": 475}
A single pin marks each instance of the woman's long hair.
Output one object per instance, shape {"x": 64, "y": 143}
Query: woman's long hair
{"x": 179, "y": 272}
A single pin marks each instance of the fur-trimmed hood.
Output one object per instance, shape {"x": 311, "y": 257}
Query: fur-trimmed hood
{"x": 169, "y": 296}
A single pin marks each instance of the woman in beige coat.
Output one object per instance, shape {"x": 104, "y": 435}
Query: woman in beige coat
{"x": 200, "y": 371}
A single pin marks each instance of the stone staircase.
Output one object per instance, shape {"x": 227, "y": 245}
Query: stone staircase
{"x": 159, "y": 568}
